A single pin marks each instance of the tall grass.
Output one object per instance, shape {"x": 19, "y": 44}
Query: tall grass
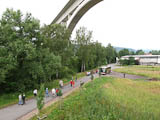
{"x": 88, "y": 103}
{"x": 134, "y": 100}
{"x": 110, "y": 99}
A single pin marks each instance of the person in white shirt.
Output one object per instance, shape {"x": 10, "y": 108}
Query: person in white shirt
{"x": 61, "y": 83}
{"x": 35, "y": 92}
{"x": 54, "y": 92}
{"x": 20, "y": 99}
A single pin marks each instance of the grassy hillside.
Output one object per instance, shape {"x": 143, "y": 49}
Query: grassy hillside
{"x": 109, "y": 99}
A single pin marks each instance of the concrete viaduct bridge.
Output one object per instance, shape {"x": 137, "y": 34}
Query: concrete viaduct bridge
{"x": 73, "y": 12}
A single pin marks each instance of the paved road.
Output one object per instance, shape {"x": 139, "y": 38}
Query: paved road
{"x": 15, "y": 111}
{"x": 121, "y": 75}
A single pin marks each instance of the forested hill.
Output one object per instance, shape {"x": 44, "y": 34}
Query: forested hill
{"x": 131, "y": 49}
{"x": 120, "y": 48}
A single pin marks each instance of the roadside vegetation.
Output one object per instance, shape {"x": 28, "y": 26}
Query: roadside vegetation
{"x": 152, "y": 72}
{"x": 109, "y": 98}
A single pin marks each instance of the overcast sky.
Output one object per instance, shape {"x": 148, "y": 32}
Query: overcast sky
{"x": 124, "y": 23}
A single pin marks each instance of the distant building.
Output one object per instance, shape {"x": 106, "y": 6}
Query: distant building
{"x": 144, "y": 59}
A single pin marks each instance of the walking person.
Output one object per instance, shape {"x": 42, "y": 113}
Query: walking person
{"x": 124, "y": 75}
{"x": 61, "y": 84}
{"x": 53, "y": 92}
{"x": 23, "y": 98}
{"x": 76, "y": 78}
{"x": 35, "y": 92}
{"x": 71, "y": 83}
{"x": 57, "y": 90}
{"x": 20, "y": 99}
{"x": 47, "y": 94}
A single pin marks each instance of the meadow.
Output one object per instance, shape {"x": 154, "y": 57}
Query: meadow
{"x": 109, "y": 98}
{"x": 147, "y": 71}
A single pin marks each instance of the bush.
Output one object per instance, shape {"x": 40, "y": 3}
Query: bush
{"x": 65, "y": 72}
{"x": 131, "y": 61}
{"x": 40, "y": 98}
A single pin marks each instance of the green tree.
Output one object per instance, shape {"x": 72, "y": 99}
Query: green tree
{"x": 132, "y": 53}
{"x": 83, "y": 40}
{"x": 57, "y": 39}
{"x": 110, "y": 54}
{"x": 19, "y": 37}
{"x": 155, "y": 52}
{"x": 131, "y": 61}
{"x": 139, "y": 52}
{"x": 100, "y": 54}
{"x": 123, "y": 52}
{"x": 24, "y": 62}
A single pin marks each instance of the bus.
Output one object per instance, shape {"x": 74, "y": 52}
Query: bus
{"x": 105, "y": 70}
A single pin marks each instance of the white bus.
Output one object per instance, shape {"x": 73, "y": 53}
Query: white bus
{"x": 105, "y": 70}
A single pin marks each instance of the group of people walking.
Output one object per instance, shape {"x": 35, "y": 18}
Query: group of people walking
{"x": 72, "y": 83}
{"x": 54, "y": 91}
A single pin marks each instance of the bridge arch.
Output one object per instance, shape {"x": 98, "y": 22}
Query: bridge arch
{"x": 73, "y": 12}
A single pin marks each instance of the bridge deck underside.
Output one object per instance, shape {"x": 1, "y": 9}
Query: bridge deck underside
{"x": 78, "y": 14}
{"x": 81, "y": 12}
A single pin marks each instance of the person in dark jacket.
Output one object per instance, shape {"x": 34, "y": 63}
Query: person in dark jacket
{"x": 23, "y": 98}
{"x": 71, "y": 82}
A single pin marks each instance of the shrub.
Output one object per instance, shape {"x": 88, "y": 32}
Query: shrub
{"x": 131, "y": 61}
